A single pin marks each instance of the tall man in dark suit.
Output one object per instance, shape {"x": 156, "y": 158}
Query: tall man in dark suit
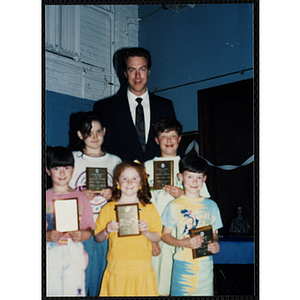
{"x": 119, "y": 113}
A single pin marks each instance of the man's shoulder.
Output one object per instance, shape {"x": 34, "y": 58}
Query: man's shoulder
{"x": 112, "y": 100}
{"x": 106, "y": 101}
{"x": 161, "y": 107}
{"x": 154, "y": 97}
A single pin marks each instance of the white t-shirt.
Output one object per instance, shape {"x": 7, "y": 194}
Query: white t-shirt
{"x": 159, "y": 197}
{"x": 78, "y": 180}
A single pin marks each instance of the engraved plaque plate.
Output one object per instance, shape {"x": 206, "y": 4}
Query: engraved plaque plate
{"x": 128, "y": 218}
{"x": 206, "y": 232}
{"x": 163, "y": 173}
{"x": 96, "y": 179}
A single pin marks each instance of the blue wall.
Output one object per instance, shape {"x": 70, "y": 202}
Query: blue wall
{"x": 196, "y": 44}
{"x": 59, "y": 108}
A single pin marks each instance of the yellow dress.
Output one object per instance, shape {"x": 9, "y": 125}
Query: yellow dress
{"x": 129, "y": 271}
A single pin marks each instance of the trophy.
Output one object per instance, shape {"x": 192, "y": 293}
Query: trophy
{"x": 239, "y": 225}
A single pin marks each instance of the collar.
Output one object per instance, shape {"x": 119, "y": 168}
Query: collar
{"x": 131, "y": 98}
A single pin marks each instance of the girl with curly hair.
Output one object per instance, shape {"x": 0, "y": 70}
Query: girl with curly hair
{"x": 129, "y": 270}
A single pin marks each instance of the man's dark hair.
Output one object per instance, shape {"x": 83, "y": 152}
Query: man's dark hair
{"x": 167, "y": 124}
{"x": 59, "y": 157}
{"x": 137, "y": 51}
{"x": 193, "y": 163}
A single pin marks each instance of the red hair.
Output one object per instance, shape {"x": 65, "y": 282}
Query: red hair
{"x": 143, "y": 194}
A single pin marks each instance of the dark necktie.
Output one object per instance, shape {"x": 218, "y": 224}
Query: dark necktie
{"x": 140, "y": 122}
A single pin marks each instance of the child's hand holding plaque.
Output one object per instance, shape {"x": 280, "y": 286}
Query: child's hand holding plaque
{"x": 206, "y": 233}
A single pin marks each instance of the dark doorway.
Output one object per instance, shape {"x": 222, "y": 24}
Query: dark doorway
{"x": 226, "y": 123}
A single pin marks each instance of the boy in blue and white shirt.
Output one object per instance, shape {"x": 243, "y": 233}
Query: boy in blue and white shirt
{"x": 191, "y": 277}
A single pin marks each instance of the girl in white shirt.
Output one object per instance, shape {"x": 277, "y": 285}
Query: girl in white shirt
{"x": 90, "y": 139}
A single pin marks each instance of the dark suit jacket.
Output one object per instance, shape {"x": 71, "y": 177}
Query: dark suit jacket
{"x": 121, "y": 138}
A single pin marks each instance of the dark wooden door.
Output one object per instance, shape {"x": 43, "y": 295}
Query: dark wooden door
{"x": 226, "y": 122}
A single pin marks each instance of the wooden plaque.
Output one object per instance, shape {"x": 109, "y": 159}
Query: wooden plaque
{"x": 163, "y": 173}
{"x": 66, "y": 215}
{"x": 128, "y": 218}
{"x": 96, "y": 179}
{"x": 206, "y": 232}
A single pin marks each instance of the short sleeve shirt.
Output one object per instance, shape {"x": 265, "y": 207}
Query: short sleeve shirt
{"x": 84, "y": 209}
{"x": 129, "y": 247}
{"x": 185, "y": 213}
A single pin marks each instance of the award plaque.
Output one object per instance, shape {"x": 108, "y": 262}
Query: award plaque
{"x": 66, "y": 215}
{"x": 96, "y": 179}
{"x": 163, "y": 173}
{"x": 206, "y": 232}
{"x": 128, "y": 218}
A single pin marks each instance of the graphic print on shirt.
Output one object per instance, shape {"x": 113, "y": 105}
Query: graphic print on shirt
{"x": 98, "y": 202}
{"x": 193, "y": 219}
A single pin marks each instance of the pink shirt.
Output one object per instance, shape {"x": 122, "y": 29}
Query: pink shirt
{"x": 84, "y": 209}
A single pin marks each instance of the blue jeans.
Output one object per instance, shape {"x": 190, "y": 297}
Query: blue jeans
{"x": 96, "y": 266}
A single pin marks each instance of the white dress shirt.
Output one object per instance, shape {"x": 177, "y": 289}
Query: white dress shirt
{"x": 146, "y": 106}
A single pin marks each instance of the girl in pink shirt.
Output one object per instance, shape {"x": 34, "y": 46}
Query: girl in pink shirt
{"x": 66, "y": 258}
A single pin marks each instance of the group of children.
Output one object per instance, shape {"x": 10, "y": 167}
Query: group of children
{"x": 93, "y": 260}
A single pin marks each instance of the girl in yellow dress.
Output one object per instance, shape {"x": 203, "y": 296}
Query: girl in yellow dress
{"x": 129, "y": 271}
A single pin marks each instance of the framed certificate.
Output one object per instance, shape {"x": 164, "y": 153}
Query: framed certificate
{"x": 128, "y": 218}
{"x": 66, "y": 215}
{"x": 206, "y": 232}
{"x": 163, "y": 173}
{"x": 96, "y": 179}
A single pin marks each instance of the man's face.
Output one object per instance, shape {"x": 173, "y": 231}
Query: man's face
{"x": 137, "y": 73}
